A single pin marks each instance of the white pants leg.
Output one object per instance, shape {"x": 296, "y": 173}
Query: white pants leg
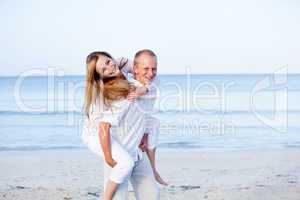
{"x": 124, "y": 160}
{"x": 125, "y": 163}
{"x": 143, "y": 181}
{"x": 122, "y": 191}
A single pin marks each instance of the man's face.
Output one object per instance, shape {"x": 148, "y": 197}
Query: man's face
{"x": 145, "y": 69}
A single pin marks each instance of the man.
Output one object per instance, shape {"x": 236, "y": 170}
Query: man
{"x": 145, "y": 70}
{"x": 143, "y": 176}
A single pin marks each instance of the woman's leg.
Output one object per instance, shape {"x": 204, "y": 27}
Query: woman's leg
{"x": 153, "y": 129}
{"x": 122, "y": 191}
{"x": 110, "y": 189}
{"x": 124, "y": 165}
{"x": 152, "y": 144}
{"x": 120, "y": 172}
{"x": 151, "y": 155}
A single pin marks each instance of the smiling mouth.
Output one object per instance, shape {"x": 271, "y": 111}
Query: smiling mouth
{"x": 149, "y": 79}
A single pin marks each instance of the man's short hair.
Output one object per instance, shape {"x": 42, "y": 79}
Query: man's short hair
{"x": 144, "y": 52}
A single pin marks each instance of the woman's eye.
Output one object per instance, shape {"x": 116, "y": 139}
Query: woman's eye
{"x": 107, "y": 62}
{"x": 103, "y": 69}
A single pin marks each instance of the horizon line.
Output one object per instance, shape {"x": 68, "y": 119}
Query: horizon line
{"x": 165, "y": 74}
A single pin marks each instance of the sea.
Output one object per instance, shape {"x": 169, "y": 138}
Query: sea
{"x": 203, "y": 112}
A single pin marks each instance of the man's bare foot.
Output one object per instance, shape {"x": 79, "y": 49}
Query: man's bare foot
{"x": 159, "y": 179}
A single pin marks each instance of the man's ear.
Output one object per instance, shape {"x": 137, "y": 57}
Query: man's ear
{"x": 135, "y": 70}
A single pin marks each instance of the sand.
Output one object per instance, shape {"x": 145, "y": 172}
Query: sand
{"x": 192, "y": 174}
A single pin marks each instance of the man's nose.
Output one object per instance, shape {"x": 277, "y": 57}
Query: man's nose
{"x": 150, "y": 73}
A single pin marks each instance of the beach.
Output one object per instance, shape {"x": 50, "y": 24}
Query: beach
{"x": 205, "y": 152}
{"x": 214, "y": 84}
{"x": 192, "y": 174}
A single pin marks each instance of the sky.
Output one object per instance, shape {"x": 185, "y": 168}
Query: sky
{"x": 203, "y": 37}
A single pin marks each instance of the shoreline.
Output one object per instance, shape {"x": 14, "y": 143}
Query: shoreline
{"x": 160, "y": 149}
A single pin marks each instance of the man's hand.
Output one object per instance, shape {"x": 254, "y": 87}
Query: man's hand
{"x": 144, "y": 143}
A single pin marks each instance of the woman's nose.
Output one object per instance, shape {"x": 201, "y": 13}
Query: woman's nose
{"x": 113, "y": 64}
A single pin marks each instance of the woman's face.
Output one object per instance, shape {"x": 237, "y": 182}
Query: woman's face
{"x": 107, "y": 67}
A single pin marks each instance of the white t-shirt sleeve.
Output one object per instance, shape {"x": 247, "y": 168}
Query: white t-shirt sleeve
{"x": 91, "y": 122}
{"x": 115, "y": 113}
{"x": 95, "y": 112}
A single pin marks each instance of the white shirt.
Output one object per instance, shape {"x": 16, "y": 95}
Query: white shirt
{"x": 148, "y": 100}
{"x": 146, "y": 104}
{"x": 127, "y": 125}
{"x": 129, "y": 121}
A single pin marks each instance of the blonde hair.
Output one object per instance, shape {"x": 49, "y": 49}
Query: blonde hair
{"x": 98, "y": 87}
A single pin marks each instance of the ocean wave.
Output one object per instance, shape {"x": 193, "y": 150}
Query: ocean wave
{"x": 169, "y": 145}
{"x": 15, "y": 112}
{"x": 37, "y": 148}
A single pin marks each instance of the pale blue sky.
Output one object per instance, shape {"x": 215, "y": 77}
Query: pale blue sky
{"x": 216, "y": 36}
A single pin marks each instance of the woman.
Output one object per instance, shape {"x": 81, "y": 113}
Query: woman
{"x": 108, "y": 67}
{"x": 111, "y": 118}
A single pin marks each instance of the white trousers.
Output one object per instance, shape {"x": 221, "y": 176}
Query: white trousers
{"x": 141, "y": 179}
{"x": 125, "y": 162}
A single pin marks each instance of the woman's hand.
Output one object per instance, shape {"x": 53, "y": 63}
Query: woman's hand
{"x": 132, "y": 96}
{"x": 140, "y": 91}
{"x": 137, "y": 92}
{"x": 111, "y": 162}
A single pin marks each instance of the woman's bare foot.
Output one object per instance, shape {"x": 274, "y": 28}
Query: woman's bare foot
{"x": 106, "y": 198}
{"x": 159, "y": 179}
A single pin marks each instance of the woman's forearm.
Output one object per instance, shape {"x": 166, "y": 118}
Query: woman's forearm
{"x": 104, "y": 136}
